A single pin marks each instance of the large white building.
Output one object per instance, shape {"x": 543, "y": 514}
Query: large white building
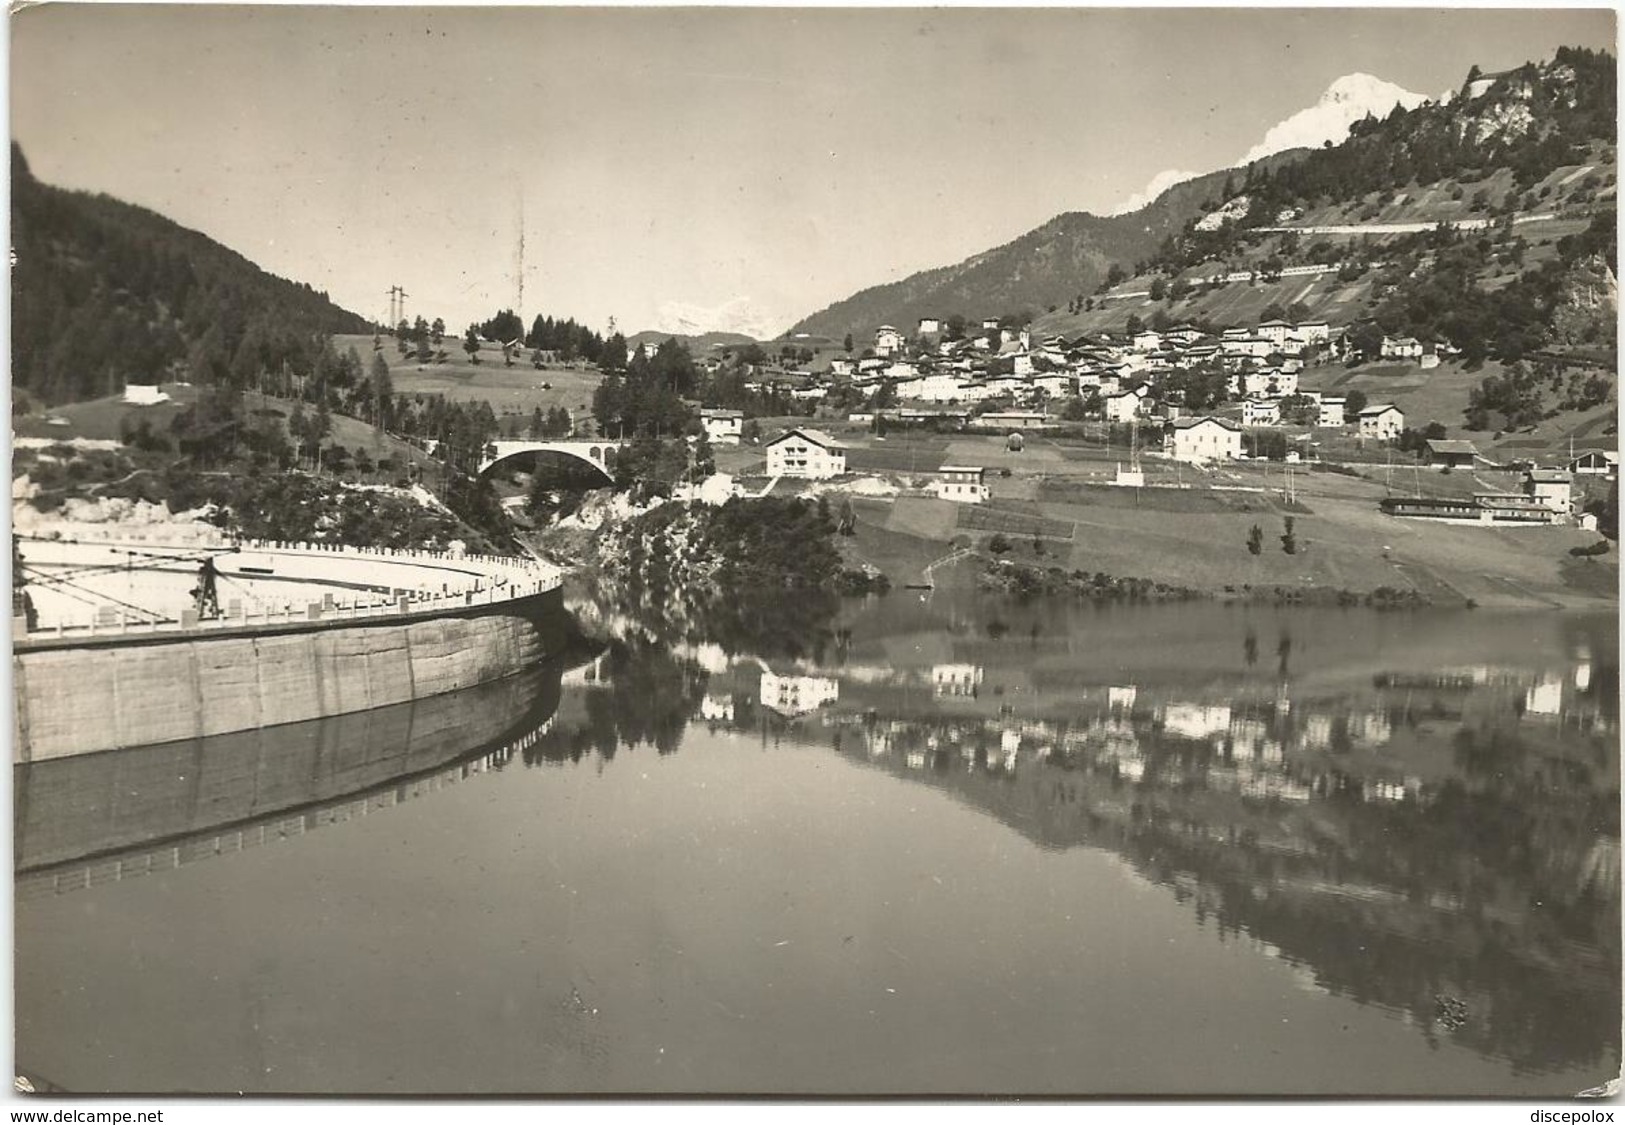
{"x": 1205, "y": 439}
{"x": 1331, "y": 410}
{"x": 964, "y": 484}
{"x": 888, "y": 341}
{"x": 809, "y": 454}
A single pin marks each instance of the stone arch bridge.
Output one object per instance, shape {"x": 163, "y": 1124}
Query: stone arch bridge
{"x": 599, "y": 454}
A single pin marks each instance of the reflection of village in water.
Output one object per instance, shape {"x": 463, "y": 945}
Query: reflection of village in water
{"x": 1442, "y": 843}
{"x": 1434, "y": 838}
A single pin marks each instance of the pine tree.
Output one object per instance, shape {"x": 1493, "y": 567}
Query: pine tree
{"x": 383, "y": 393}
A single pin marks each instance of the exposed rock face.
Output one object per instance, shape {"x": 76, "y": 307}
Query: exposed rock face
{"x": 1507, "y": 120}
{"x": 1589, "y": 311}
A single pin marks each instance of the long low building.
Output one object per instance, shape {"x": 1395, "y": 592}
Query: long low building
{"x": 1502, "y": 508}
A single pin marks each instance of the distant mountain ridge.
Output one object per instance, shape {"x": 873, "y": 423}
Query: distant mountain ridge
{"x": 105, "y": 292}
{"x": 1527, "y": 121}
{"x": 1068, "y": 255}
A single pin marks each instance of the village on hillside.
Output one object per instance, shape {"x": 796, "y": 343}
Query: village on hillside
{"x": 1182, "y": 395}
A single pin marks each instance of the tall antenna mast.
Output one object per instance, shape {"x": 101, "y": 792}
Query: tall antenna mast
{"x": 519, "y": 306}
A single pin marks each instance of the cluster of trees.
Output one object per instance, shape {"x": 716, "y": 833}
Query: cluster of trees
{"x": 760, "y": 543}
{"x": 104, "y": 292}
{"x": 647, "y": 400}
{"x": 460, "y": 430}
{"x": 421, "y": 336}
{"x": 1255, "y": 546}
{"x": 555, "y": 423}
{"x": 1451, "y": 300}
{"x": 567, "y": 339}
{"x": 1416, "y": 441}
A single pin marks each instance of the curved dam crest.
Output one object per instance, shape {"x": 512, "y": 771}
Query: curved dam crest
{"x": 384, "y": 627}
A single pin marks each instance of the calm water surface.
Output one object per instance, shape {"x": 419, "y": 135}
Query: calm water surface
{"x": 902, "y": 846}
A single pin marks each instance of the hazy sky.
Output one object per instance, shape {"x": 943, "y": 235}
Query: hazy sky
{"x": 766, "y": 160}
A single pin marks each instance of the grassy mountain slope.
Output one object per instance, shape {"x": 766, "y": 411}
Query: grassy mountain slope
{"x": 104, "y": 292}
{"x": 1068, "y": 255}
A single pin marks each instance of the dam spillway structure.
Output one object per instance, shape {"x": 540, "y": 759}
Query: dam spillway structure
{"x": 136, "y": 643}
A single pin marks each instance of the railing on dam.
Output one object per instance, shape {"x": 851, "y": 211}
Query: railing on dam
{"x": 376, "y": 582}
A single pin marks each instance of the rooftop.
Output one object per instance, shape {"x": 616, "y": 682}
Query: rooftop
{"x": 817, "y": 437}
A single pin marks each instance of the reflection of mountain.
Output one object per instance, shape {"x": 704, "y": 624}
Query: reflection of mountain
{"x": 1497, "y": 888}
{"x": 79, "y": 821}
{"x": 1418, "y": 811}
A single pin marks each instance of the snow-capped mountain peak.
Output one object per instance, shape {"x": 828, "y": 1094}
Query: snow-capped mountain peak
{"x": 1346, "y": 100}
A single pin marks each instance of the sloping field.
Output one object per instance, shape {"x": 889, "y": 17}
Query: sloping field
{"x": 927, "y": 518}
{"x": 910, "y": 457}
{"x": 977, "y": 517}
{"x": 516, "y": 389}
{"x": 1157, "y": 499}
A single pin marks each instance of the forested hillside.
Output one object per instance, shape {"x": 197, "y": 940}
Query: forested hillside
{"x": 104, "y": 293}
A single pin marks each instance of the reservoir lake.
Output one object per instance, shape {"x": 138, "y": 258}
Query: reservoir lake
{"x": 914, "y": 844}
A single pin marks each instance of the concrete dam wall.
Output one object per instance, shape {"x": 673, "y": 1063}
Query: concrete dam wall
{"x": 84, "y": 699}
{"x": 415, "y": 626}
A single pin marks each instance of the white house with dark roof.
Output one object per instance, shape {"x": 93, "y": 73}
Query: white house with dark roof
{"x": 1261, "y": 412}
{"x": 963, "y": 484}
{"x": 722, "y": 427}
{"x": 888, "y": 341}
{"x": 1551, "y": 488}
{"x": 1314, "y": 332}
{"x": 1401, "y": 347}
{"x": 1277, "y": 332}
{"x": 1122, "y": 407}
{"x": 1382, "y": 422}
{"x": 807, "y": 454}
{"x": 1332, "y": 408}
{"x": 1204, "y": 439}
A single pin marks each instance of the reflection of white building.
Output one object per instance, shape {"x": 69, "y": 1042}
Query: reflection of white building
{"x": 1370, "y": 728}
{"x": 1195, "y": 720}
{"x": 717, "y": 708}
{"x": 1246, "y": 738}
{"x": 1545, "y": 698}
{"x": 956, "y": 679}
{"x": 1392, "y": 791}
{"x": 797, "y": 695}
{"x": 1317, "y": 732}
{"x": 1010, "y": 741}
{"x": 1121, "y": 697}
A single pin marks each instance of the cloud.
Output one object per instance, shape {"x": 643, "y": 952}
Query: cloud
{"x": 1160, "y": 183}
{"x": 1345, "y": 101}
{"x": 737, "y": 315}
